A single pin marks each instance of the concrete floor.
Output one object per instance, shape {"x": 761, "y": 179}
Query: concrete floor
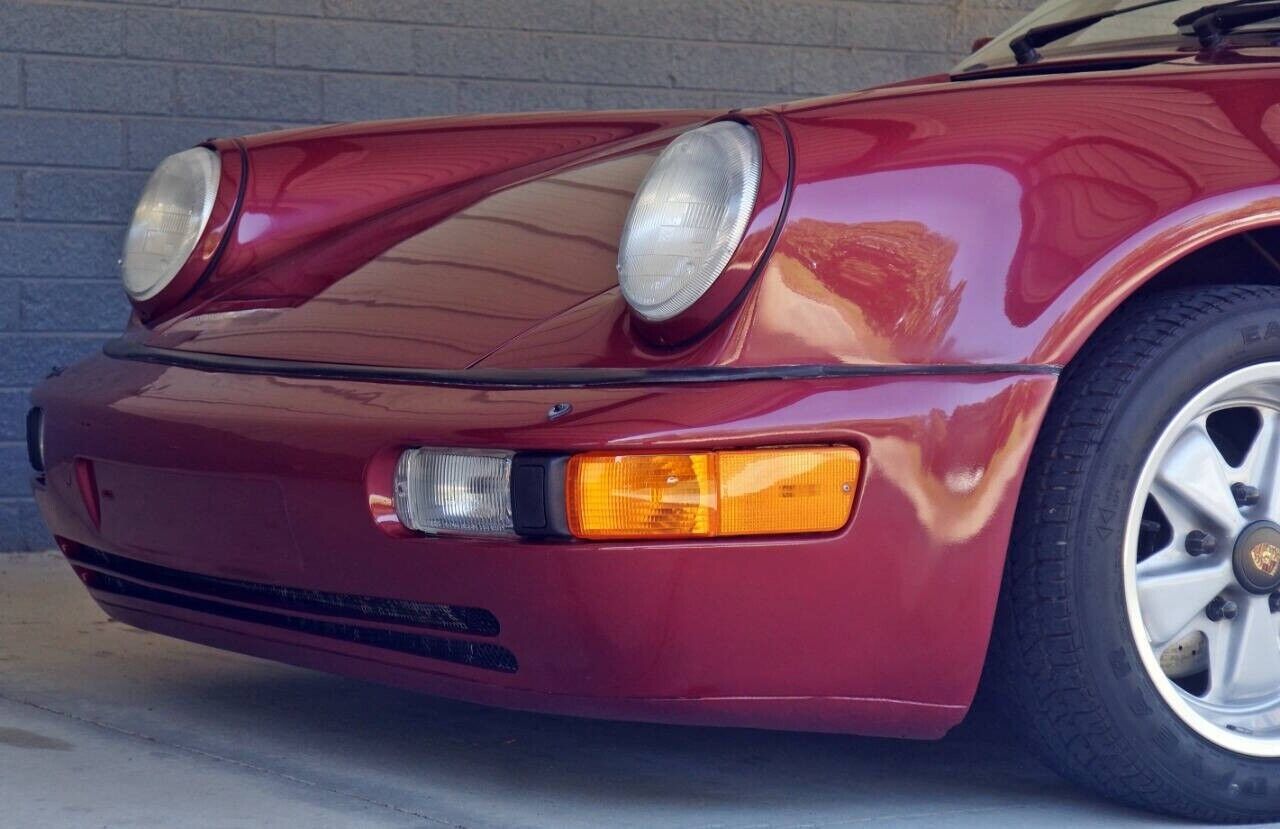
{"x": 103, "y": 725}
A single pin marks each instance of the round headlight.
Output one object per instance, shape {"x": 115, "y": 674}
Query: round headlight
{"x": 687, "y": 218}
{"x": 170, "y": 217}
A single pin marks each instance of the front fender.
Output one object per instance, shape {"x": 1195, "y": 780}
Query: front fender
{"x": 950, "y": 225}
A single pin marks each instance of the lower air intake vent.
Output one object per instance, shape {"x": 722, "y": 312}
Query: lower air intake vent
{"x": 109, "y": 573}
{"x": 454, "y": 619}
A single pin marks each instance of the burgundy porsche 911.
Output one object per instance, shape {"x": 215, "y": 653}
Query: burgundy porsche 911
{"x": 796, "y": 417}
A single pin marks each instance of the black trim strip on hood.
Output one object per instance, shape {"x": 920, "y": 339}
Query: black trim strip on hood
{"x": 559, "y": 378}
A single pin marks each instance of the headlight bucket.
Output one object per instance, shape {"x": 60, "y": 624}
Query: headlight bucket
{"x": 745, "y": 261}
{"x": 181, "y": 224}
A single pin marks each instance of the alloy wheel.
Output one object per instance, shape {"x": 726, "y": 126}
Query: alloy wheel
{"x": 1202, "y": 562}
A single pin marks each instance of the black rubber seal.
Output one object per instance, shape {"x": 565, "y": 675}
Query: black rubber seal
{"x": 559, "y": 378}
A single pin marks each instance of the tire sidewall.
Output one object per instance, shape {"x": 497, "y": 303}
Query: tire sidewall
{"x": 1236, "y": 338}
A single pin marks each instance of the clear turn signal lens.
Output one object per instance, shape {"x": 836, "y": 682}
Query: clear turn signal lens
{"x": 454, "y": 492}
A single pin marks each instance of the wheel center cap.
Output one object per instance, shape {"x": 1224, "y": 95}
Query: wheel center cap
{"x": 1257, "y": 558}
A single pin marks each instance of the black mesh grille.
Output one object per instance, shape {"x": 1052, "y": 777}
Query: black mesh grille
{"x": 474, "y": 654}
{"x": 471, "y": 620}
{"x": 110, "y": 573}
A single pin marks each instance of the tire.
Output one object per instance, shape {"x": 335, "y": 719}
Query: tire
{"x": 1066, "y": 663}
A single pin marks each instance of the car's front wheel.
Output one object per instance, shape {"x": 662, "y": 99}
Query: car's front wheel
{"x": 1138, "y": 636}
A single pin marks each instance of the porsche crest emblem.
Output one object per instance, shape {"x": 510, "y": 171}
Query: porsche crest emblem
{"x": 1266, "y": 558}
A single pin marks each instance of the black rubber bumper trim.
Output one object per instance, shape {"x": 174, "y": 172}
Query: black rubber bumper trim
{"x": 559, "y": 378}
{"x": 538, "y": 495}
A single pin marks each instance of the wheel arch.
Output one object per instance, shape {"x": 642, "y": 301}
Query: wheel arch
{"x": 1189, "y": 247}
{"x": 1227, "y": 247}
{"x": 1084, "y": 701}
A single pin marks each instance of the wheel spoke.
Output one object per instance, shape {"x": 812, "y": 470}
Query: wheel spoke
{"x": 1173, "y": 590}
{"x": 1167, "y": 560}
{"x": 1194, "y": 484}
{"x": 1248, "y": 660}
{"x": 1219, "y": 663}
{"x": 1261, "y": 466}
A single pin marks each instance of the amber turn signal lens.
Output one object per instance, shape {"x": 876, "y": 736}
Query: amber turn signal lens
{"x": 787, "y": 490}
{"x": 710, "y": 494}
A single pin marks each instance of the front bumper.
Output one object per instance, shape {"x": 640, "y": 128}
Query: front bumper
{"x": 231, "y": 479}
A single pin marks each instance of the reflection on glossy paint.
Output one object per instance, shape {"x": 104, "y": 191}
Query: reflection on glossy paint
{"x": 955, "y": 493}
{"x": 451, "y": 294}
{"x": 935, "y": 223}
{"x": 901, "y": 269}
{"x": 1106, "y": 158}
{"x": 882, "y": 267}
{"x": 252, "y": 226}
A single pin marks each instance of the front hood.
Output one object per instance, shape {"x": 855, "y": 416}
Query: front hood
{"x": 931, "y": 223}
{"x": 422, "y": 244}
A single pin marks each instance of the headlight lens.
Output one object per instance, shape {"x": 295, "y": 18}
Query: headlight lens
{"x": 170, "y": 217}
{"x": 687, "y": 218}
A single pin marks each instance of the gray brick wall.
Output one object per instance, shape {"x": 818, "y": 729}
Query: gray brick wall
{"x": 93, "y": 94}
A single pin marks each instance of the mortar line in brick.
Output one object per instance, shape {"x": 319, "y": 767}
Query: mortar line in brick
{"x": 61, "y": 280}
{"x": 94, "y": 171}
{"x": 86, "y": 168}
{"x": 19, "y": 194}
{"x": 299, "y": 71}
{"x": 39, "y": 223}
{"x": 953, "y": 11}
{"x": 326, "y": 18}
{"x": 71, "y": 281}
{"x": 51, "y": 113}
{"x": 49, "y": 335}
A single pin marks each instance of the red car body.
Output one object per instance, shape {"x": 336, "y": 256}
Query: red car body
{"x": 922, "y": 261}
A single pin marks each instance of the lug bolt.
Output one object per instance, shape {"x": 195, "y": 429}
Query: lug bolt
{"x": 1220, "y": 609}
{"x": 1245, "y": 495}
{"x": 1201, "y": 543}
{"x": 1275, "y": 602}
